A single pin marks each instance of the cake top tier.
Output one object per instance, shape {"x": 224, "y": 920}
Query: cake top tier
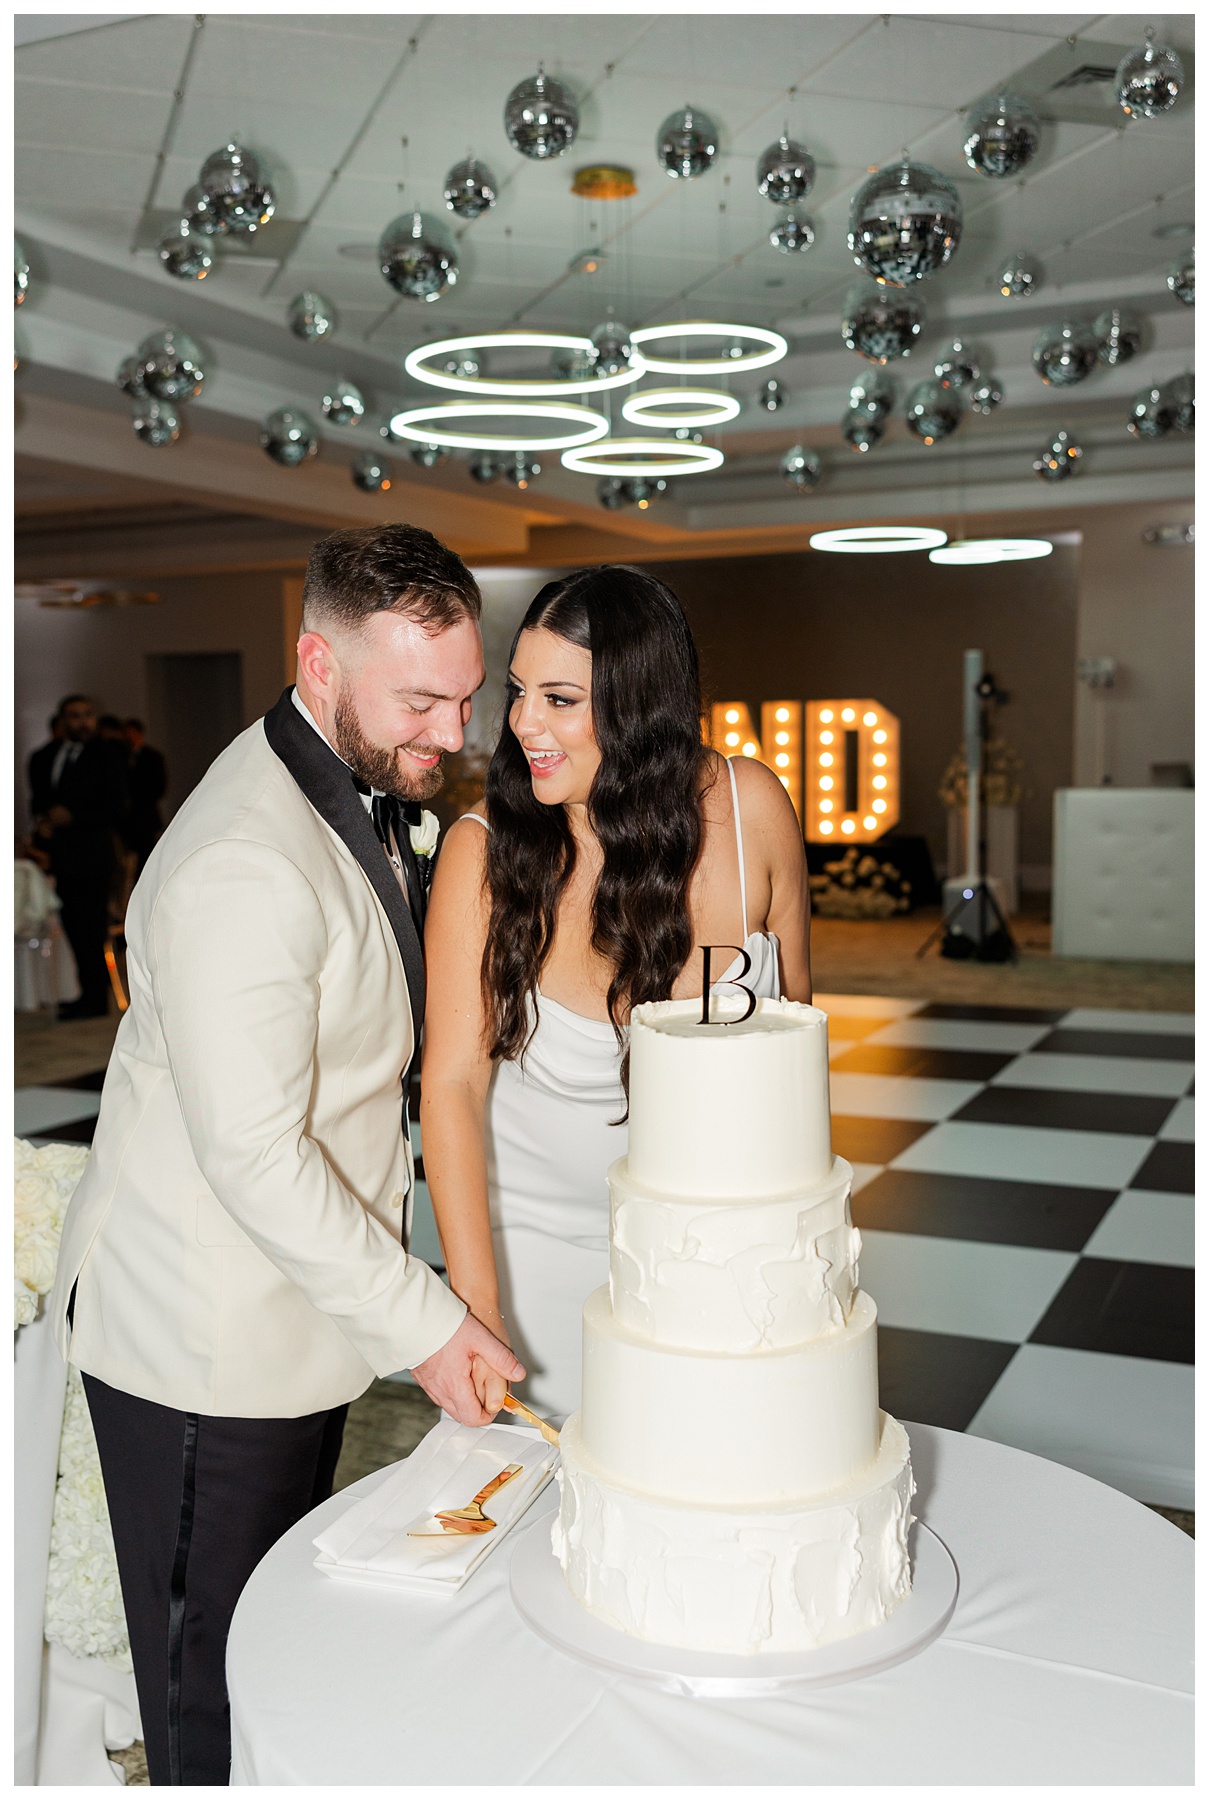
{"x": 734, "y": 1108}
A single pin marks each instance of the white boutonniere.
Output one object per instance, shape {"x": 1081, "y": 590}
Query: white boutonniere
{"x": 424, "y": 835}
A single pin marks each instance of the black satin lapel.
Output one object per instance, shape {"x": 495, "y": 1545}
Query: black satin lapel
{"x": 327, "y": 784}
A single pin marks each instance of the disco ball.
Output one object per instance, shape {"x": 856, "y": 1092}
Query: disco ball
{"x": 861, "y": 431}
{"x": 1002, "y": 135}
{"x": 985, "y": 395}
{"x": 904, "y": 223}
{"x": 802, "y": 469}
{"x": 1118, "y": 335}
{"x": 933, "y": 411}
{"x": 429, "y": 456}
{"x": 785, "y": 172}
{"x": 611, "y": 347}
{"x": 541, "y": 117}
{"x": 1181, "y": 278}
{"x": 1065, "y": 353}
{"x": 685, "y": 435}
{"x": 610, "y": 491}
{"x": 687, "y": 144}
{"x": 234, "y": 185}
{"x": 1181, "y": 402}
{"x": 310, "y": 316}
{"x": 130, "y": 377}
{"x": 155, "y": 423}
{"x": 417, "y": 257}
{"x": 171, "y": 366}
{"x": 881, "y": 323}
{"x": 1149, "y": 80}
{"x": 792, "y": 231}
{"x": 1019, "y": 277}
{"x": 468, "y": 365}
{"x": 873, "y": 394}
{"x": 470, "y": 189}
{"x": 21, "y": 274}
{"x": 186, "y": 253}
{"x": 571, "y": 365}
{"x": 770, "y": 395}
{"x": 343, "y": 403}
{"x": 1150, "y": 415}
{"x": 289, "y": 436}
{"x": 483, "y": 467}
{"x": 371, "y": 473}
{"x": 521, "y": 469}
{"x": 1060, "y": 458}
{"x": 640, "y": 490}
{"x": 957, "y": 366}
{"x": 201, "y": 213}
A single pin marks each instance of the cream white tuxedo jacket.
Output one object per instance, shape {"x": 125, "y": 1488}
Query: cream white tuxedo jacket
{"x": 236, "y": 1238}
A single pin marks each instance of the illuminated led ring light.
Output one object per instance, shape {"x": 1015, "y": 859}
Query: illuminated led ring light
{"x": 991, "y": 550}
{"x": 644, "y": 456}
{"x": 590, "y": 427}
{"x": 679, "y": 406}
{"x": 417, "y": 362}
{"x": 878, "y": 540}
{"x": 774, "y": 348}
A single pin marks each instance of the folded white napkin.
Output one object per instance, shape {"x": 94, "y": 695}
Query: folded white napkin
{"x": 371, "y": 1542}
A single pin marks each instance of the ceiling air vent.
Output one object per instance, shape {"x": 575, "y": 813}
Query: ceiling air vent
{"x": 1086, "y": 75}
{"x": 1074, "y": 82}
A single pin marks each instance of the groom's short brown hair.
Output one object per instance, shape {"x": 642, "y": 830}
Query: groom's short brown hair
{"x": 387, "y": 568}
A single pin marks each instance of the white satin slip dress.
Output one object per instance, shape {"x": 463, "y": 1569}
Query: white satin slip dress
{"x": 552, "y": 1132}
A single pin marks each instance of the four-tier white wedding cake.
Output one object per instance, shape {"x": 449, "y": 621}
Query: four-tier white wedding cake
{"x": 729, "y": 1482}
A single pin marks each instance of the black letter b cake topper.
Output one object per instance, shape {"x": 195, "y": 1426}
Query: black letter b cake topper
{"x": 706, "y": 952}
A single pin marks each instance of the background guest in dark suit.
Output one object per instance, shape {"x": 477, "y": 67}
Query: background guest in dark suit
{"x": 148, "y": 776}
{"x": 40, "y": 765}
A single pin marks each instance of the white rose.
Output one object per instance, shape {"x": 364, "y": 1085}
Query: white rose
{"x": 424, "y": 835}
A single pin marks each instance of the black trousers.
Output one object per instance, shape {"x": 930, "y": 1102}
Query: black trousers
{"x": 84, "y": 900}
{"x": 195, "y": 1503}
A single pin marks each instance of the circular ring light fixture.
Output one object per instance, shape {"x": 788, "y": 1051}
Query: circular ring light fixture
{"x": 418, "y": 363}
{"x": 878, "y": 540}
{"x": 644, "y": 456}
{"x": 769, "y": 347}
{"x": 428, "y": 425}
{"x": 675, "y": 407}
{"x": 991, "y": 550}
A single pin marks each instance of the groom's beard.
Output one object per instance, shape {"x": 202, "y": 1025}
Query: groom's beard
{"x": 377, "y": 767}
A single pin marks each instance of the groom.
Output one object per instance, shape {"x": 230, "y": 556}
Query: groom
{"x": 233, "y": 1270}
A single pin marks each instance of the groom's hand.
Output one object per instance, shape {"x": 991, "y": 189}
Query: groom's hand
{"x": 447, "y": 1375}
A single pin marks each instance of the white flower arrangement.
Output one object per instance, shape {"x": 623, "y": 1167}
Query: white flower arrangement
{"x": 46, "y": 1180}
{"x": 424, "y": 835}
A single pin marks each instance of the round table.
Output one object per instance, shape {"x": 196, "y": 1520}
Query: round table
{"x": 1068, "y": 1659}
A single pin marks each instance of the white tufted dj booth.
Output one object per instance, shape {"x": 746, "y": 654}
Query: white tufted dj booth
{"x": 1123, "y": 873}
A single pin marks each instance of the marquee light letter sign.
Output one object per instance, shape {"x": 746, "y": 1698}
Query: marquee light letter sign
{"x": 778, "y": 742}
{"x": 841, "y": 771}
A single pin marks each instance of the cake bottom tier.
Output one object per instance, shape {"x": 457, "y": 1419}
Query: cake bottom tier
{"x": 738, "y": 1579}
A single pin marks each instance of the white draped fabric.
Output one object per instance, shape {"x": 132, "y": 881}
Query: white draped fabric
{"x": 1068, "y": 1660}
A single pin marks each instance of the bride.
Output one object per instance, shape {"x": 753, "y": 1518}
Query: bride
{"x": 614, "y": 845}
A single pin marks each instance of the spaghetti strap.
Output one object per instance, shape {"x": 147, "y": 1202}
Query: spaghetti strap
{"x": 734, "y": 799}
{"x": 478, "y": 819}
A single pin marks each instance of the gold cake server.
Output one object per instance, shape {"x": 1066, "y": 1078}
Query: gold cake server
{"x": 469, "y": 1521}
{"x": 513, "y": 1405}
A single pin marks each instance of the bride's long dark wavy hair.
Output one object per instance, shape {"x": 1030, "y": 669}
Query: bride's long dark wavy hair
{"x": 644, "y": 805}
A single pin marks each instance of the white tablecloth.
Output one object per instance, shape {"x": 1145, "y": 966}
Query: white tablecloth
{"x": 1069, "y": 1659}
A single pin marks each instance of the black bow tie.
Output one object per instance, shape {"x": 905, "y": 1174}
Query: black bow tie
{"x": 388, "y": 813}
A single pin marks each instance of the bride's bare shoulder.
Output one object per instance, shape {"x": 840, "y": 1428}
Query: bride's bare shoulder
{"x": 462, "y": 861}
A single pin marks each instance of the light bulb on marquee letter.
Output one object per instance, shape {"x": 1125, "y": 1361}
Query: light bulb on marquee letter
{"x": 851, "y": 761}
{"x": 778, "y": 743}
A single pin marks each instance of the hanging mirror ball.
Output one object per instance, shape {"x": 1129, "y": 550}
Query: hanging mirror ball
{"x": 417, "y": 257}
{"x": 429, "y": 456}
{"x": 792, "y": 232}
{"x": 802, "y": 469}
{"x": 343, "y": 403}
{"x": 1019, "y": 278}
{"x": 610, "y": 492}
{"x": 1059, "y": 460}
{"x": 289, "y": 436}
{"x": 985, "y": 395}
{"x": 785, "y": 172}
{"x": 880, "y": 323}
{"x": 1002, "y": 135}
{"x": 640, "y": 490}
{"x": 770, "y": 395}
{"x": 904, "y": 223}
{"x": 483, "y": 467}
{"x": 130, "y": 377}
{"x": 873, "y": 394}
{"x": 469, "y": 365}
{"x": 1065, "y": 353}
{"x": 1149, "y": 80}
{"x": 1181, "y": 279}
{"x": 310, "y": 316}
{"x": 684, "y": 435}
{"x": 571, "y": 365}
{"x": 21, "y": 274}
{"x": 957, "y": 366}
{"x": 371, "y": 473}
{"x": 470, "y": 189}
{"x": 186, "y": 253}
{"x": 1181, "y": 403}
{"x": 1150, "y": 415}
{"x": 541, "y": 117}
{"x": 612, "y": 348}
{"x": 171, "y": 365}
{"x": 521, "y": 469}
{"x": 861, "y": 431}
{"x": 233, "y": 184}
{"x": 1118, "y": 335}
{"x": 687, "y": 144}
{"x": 155, "y": 423}
{"x": 933, "y": 411}
{"x": 201, "y": 213}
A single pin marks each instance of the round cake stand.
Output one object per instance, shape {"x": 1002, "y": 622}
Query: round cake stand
{"x": 544, "y": 1601}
